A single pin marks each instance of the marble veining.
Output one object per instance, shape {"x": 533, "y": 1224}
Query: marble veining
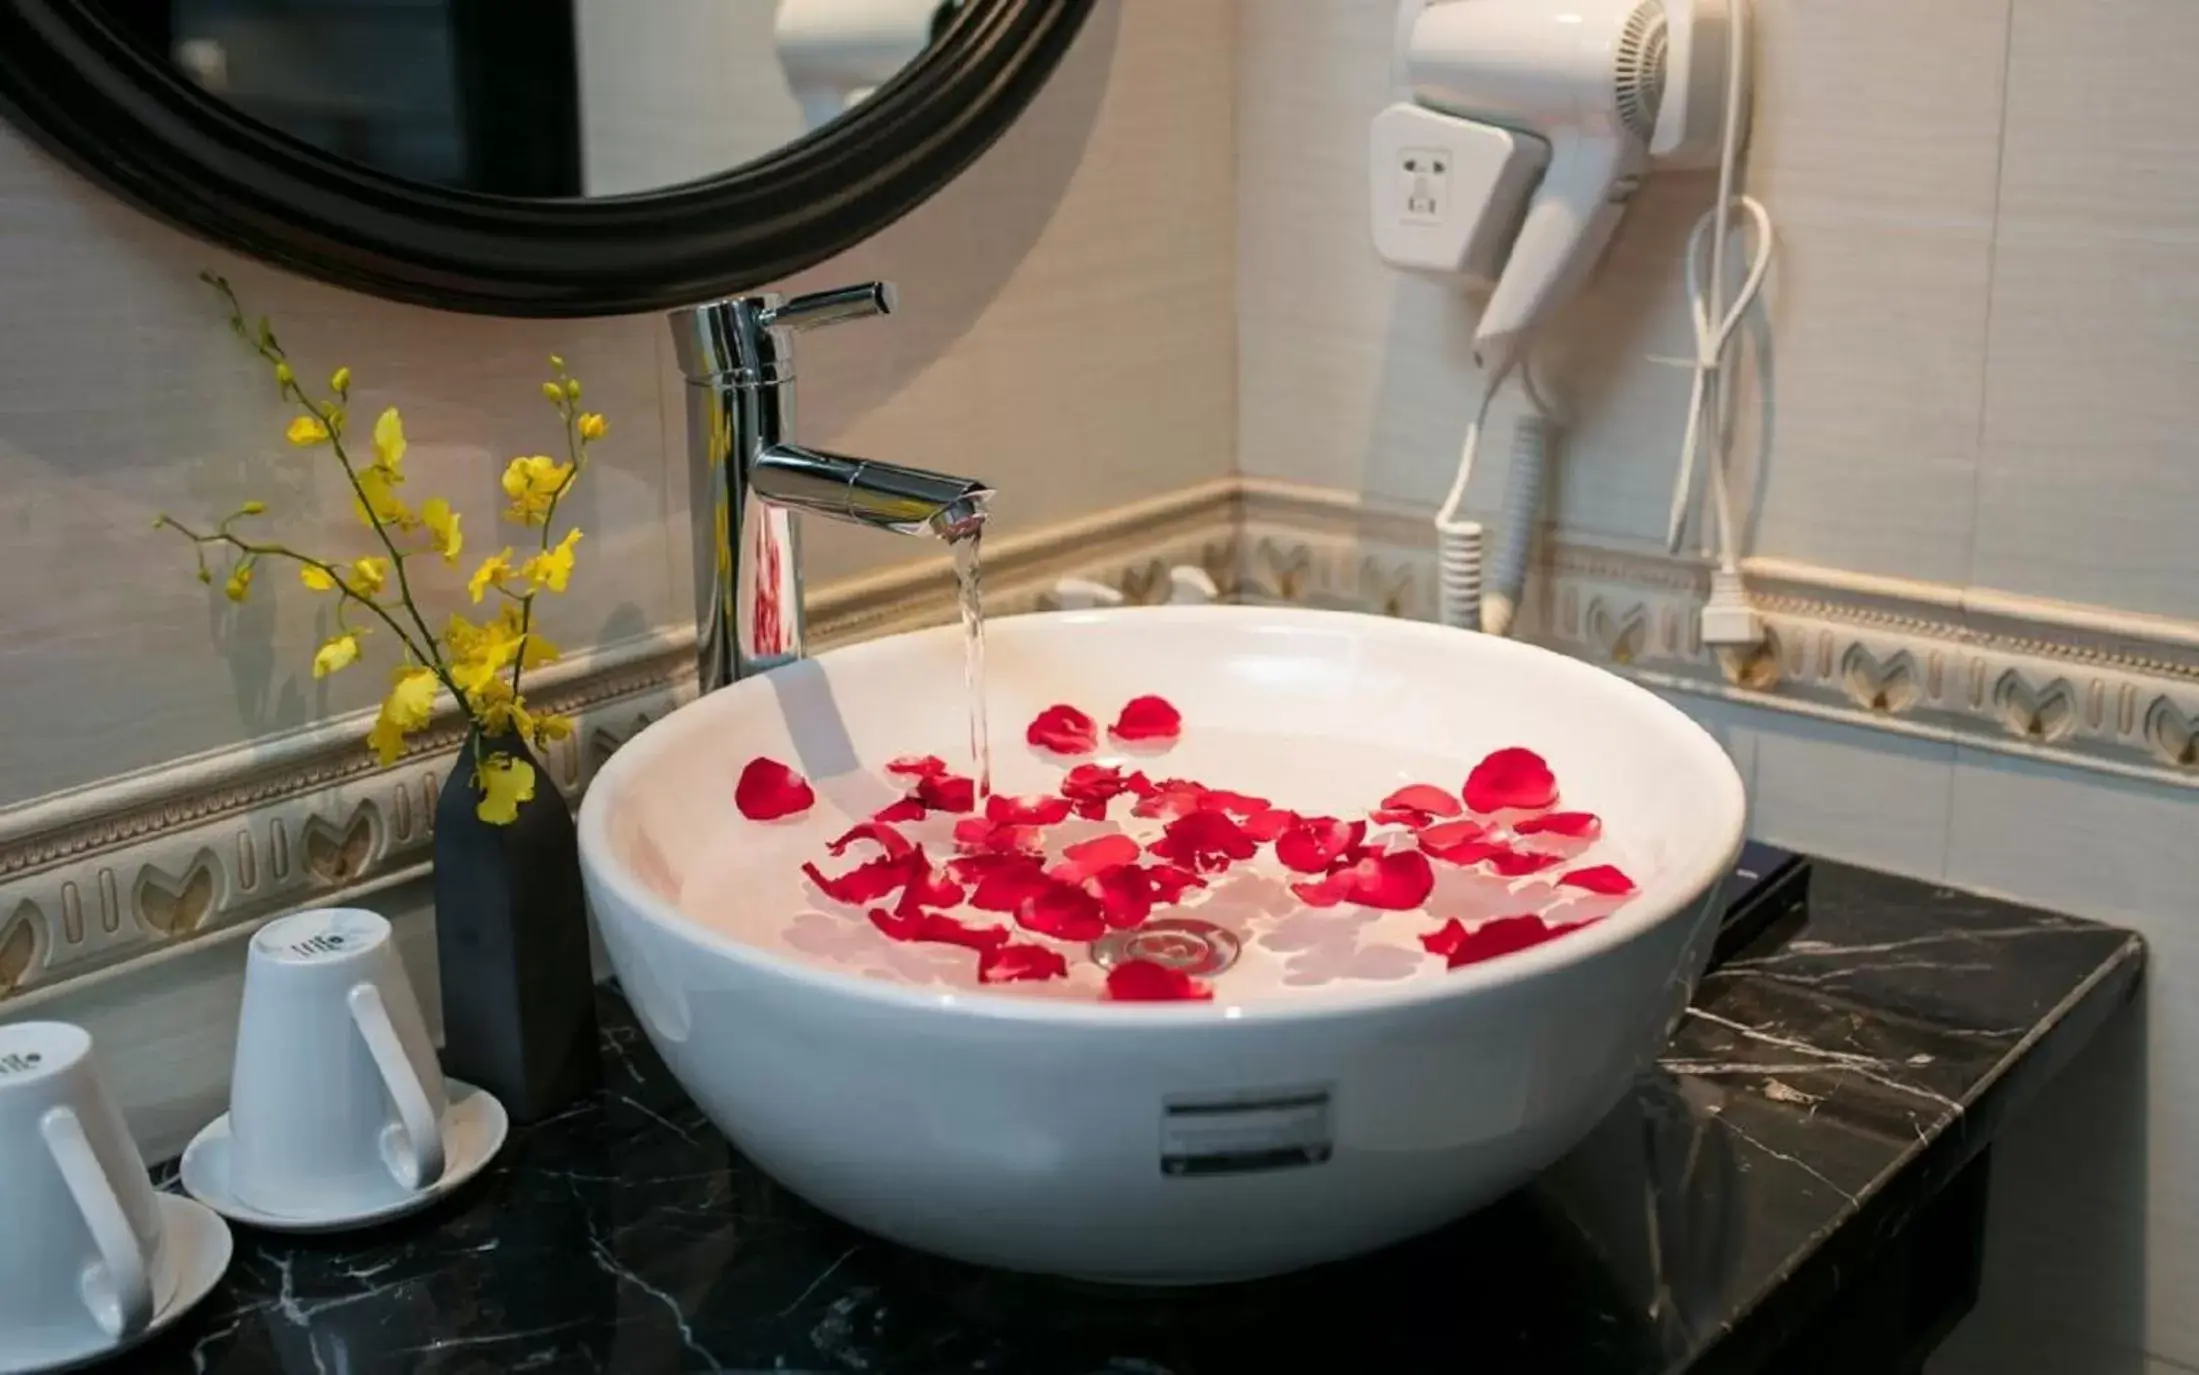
{"x": 1827, "y": 1083}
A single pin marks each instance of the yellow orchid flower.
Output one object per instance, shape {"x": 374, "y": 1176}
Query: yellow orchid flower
{"x": 550, "y": 726}
{"x": 339, "y": 381}
{"x": 504, "y": 782}
{"x": 537, "y": 651}
{"x": 315, "y": 579}
{"x": 368, "y": 575}
{"x": 442, "y": 523}
{"x": 337, "y": 653}
{"x": 382, "y": 502}
{"x": 411, "y": 701}
{"x": 533, "y": 484}
{"x": 500, "y": 711}
{"x": 552, "y": 569}
{"x": 389, "y": 441}
{"x": 306, "y": 430}
{"x": 387, "y": 742}
{"x": 552, "y": 391}
{"x": 480, "y": 653}
{"x": 493, "y": 571}
{"x": 593, "y": 426}
{"x": 239, "y": 584}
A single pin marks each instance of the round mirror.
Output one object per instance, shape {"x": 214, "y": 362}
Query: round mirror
{"x": 558, "y": 157}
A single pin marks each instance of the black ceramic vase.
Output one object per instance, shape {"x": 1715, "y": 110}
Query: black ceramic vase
{"x": 511, "y": 933}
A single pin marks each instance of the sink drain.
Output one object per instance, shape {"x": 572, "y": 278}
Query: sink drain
{"x": 1186, "y": 943}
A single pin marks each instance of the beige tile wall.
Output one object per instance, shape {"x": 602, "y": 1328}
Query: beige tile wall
{"x": 1066, "y": 333}
{"x": 1977, "y": 363}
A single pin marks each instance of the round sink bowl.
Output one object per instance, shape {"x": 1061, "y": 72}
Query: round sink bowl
{"x": 1341, "y": 1090}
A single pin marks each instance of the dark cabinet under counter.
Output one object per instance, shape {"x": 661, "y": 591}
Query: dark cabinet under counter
{"x": 1798, "y": 1188}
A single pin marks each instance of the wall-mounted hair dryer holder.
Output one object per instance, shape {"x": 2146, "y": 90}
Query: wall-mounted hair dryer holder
{"x": 1526, "y": 128}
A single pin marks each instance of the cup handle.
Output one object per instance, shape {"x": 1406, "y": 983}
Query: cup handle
{"x": 117, "y": 1287}
{"x": 420, "y": 1164}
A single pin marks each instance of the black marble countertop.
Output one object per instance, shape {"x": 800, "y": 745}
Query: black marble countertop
{"x": 1829, "y": 1082}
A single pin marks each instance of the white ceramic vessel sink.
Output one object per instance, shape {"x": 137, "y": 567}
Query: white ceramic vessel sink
{"x": 1342, "y": 1090}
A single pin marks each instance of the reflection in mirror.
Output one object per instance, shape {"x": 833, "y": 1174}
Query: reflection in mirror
{"x": 554, "y": 98}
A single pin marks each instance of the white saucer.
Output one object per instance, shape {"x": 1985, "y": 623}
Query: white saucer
{"x": 197, "y": 1249}
{"x": 473, "y": 1132}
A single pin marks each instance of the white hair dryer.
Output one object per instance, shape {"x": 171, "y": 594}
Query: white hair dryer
{"x": 1582, "y": 92}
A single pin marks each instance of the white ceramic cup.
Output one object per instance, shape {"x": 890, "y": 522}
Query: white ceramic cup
{"x": 336, "y": 1102}
{"x": 81, "y": 1263}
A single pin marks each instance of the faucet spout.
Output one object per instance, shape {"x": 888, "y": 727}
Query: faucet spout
{"x": 748, "y": 477}
{"x": 883, "y": 496}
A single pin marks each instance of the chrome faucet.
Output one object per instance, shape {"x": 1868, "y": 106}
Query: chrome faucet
{"x": 748, "y": 477}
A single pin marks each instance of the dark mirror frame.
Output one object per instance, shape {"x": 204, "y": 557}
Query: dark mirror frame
{"x": 131, "y": 123}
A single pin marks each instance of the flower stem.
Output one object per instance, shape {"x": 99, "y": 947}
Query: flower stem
{"x": 271, "y": 350}
{"x": 396, "y": 556}
{"x": 576, "y": 456}
{"x": 431, "y": 661}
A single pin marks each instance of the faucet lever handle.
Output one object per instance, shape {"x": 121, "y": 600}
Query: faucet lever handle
{"x": 831, "y": 307}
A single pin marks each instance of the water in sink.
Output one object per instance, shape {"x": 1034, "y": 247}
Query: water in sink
{"x": 756, "y": 892}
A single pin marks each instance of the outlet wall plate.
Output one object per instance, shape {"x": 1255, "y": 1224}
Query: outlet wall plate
{"x": 1445, "y": 195}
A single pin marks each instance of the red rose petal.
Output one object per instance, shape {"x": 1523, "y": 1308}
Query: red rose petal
{"x": 1064, "y": 911}
{"x": 918, "y": 765}
{"x": 1142, "y": 981}
{"x": 946, "y": 792}
{"x": 1088, "y": 857}
{"x": 866, "y": 882}
{"x": 1090, "y": 787}
{"x": 1017, "y": 961}
{"x": 1576, "y": 824}
{"x": 884, "y": 837}
{"x": 1236, "y": 804}
{"x": 1422, "y": 797}
{"x": 1204, "y": 841}
{"x": 907, "y": 809}
{"x": 1325, "y": 892}
{"x": 1002, "y": 883}
{"x": 1171, "y": 797}
{"x": 1498, "y": 936}
{"x": 1317, "y": 842}
{"x": 1125, "y": 896}
{"x": 977, "y": 835}
{"x": 1063, "y": 729}
{"x": 928, "y": 887}
{"x": 1517, "y": 863}
{"x": 1445, "y": 834}
{"x": 1511, "y": 778}
{"x": 768, "y": 790}
{"x": 1147, "y": 718}
{"x": 937, "y": 928}
{"x": 1040, "y": 809}
{"x": 1269, "y": 824}
{"x": 1600, "y": 878}
{"x": 1395, "y": 882}
{"x": 1170, "y": 882}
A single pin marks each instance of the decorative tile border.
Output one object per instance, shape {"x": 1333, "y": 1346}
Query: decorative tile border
{"x": 2082, "y": 687}
{"x": 139, "y": 865}
{"x": 101, "y": 875}
{"x": 134, "y": 866}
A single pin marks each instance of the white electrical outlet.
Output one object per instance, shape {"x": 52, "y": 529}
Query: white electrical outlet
{"x": 1452, "y": 199}
{"x": 1423, "y": 184}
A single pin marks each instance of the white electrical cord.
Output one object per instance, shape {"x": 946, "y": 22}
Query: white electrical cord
{"x": 1458, "y": 540}
{"x": 1728, "y": 619}
{"x": 1523, "y": 490}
